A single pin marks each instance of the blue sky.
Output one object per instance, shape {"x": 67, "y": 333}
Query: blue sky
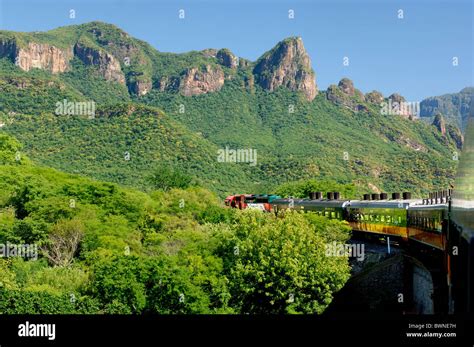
{"x": 412, "y": 56}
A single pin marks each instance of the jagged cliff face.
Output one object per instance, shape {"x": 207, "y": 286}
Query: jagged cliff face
{"x": 455, "y": 107}
{"x": 196, "y": 82}
{"x": 125, "y": 60}
{"x": 127, "y": 53}
{"x": 36, "y": 55}
{"x": 287, "y": 65}
{"x": 43, "y": 56}
{"x": 108, "y": 66}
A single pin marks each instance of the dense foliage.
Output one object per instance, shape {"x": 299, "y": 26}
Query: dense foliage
{"x": 107, "y": 249}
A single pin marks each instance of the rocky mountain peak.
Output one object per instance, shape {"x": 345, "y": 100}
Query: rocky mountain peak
{"x": 347, "y": 95}
{"x": 374, "y": 97}
{"x": 105, "y": 32}
{"x": 347, "y": 86}
{"x": 287, "y": 65}
{"x": 227, "y": 58}
{"x": 395, "y": 97}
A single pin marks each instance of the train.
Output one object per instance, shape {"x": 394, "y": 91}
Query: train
{"x": 430, "y": 228}
{"x": 421, "y": 220}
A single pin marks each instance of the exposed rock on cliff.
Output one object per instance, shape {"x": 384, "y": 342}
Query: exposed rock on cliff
{"x": 135, "y": 65}
{"x": 196, "y": 82}
{"x": 36, "y": 55}
{"x": 108, "y": 66}
{"x": 287, "y": 65}
{"x": 227, "y": 59}
{"x": 347, "y": 86}
{"x": 440, "y": 124}
{"x": 374, "y": 97}
{"x": 448, "y": 130}
{"x": 209, "y": 52}
{"x": 395, "y": 97}
{"x": 140, "y": 87}
{"x": 347, "y": 95}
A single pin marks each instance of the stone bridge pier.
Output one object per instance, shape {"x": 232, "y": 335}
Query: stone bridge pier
{"x": 399, "y": 282}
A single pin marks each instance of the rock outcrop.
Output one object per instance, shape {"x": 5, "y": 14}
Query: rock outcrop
{"x": 36, "y": 55}
{"x": 227, "y": 58}
{"x": 440, "y": 124}
{"x": 345, "y": 94}
{"x": 346, "y": 86}
{"x": 140, "y": 87}
{"x": 108, "y": 66}
{"x": 196, "y": 82}
{"x": 395, "y": 97}
{"x": 374, "y": 97}
{"x": 209, "y": 52}
{"x": 448, "y": 130}
{"x": 287, "y": 65}
{"x": 397, "y": 105}
{"x": 135, "y": 64}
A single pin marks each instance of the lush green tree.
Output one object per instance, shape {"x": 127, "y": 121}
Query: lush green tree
{"x": 119, "y": 284}
{"x": 278, "y": 265}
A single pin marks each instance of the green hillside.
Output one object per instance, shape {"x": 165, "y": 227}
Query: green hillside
{"x": 183, "y": 108}
{"x": 124, "y": 143}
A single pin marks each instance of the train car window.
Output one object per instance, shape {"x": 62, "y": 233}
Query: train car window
{"x": 382, "y": 219}
{"x": 333, "y": 214}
